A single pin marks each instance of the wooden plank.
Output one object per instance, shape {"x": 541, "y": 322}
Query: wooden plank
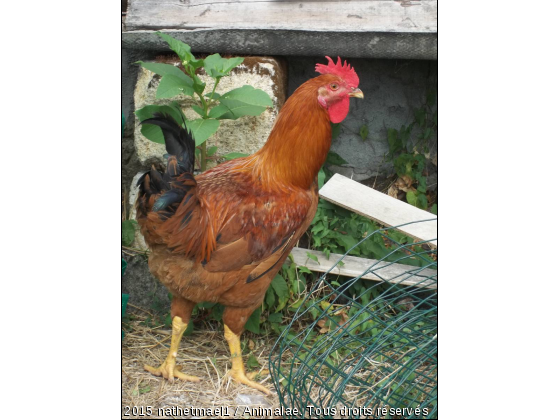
{"x": 330, "y": 16}
{"x": 380, "y": 207}
{"x": 354, "y": 267}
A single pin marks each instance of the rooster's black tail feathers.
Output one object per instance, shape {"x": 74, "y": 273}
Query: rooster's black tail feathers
{"x": 180, "y": 159}
{"x": 178, "y": 142}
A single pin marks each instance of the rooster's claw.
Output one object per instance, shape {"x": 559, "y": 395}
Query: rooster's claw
{"x": 169, "y": 371}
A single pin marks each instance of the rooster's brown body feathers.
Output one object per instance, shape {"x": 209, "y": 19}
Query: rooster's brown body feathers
{"x": 225, "y": 234}
{"x": 222, "y": 236}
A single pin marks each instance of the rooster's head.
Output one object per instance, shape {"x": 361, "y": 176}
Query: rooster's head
{"x": 341, "y": 84}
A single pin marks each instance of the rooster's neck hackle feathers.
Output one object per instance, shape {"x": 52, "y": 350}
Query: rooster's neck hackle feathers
{"x": 299, "y": 142}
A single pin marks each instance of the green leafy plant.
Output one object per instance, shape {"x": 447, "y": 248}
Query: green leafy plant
{"x": 409, "y": 155}
{"x": 337, "y": 230}
{"x": 211, "y": 106}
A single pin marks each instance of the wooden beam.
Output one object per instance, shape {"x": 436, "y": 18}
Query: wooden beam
{"x": 380, "y": 207}
{"x": 374, "y": 269}
{"x": 330, "y": 16}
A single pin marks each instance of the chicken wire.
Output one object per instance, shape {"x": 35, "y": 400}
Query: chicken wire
{"x": 367, "y": 349}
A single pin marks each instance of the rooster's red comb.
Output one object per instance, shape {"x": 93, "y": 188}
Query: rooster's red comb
{"x": 344, "y": 71}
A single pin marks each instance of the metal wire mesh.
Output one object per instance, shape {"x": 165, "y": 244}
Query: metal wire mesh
{"x": 364, "y": 349}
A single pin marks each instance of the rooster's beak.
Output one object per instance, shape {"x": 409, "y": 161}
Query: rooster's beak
{"x": 356, "y": 93}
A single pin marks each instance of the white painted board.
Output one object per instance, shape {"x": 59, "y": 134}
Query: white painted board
{"x": 355, "y": 266}
{"x": 380, "y": 207}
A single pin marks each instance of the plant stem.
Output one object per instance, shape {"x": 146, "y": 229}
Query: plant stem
{"x": 214, "y": 90}
{"x": 203, "y": 157}
{"x": 206, "y": 106}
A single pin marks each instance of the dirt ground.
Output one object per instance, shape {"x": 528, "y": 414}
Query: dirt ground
{"x": 204, "y": 354}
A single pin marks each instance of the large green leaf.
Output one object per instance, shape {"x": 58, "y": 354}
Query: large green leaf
{"x": 249, "y": 95}
{"x": 149, "y": 110}
{"x": 218, "y": 111}
{"x": 237, "y": 109}
{"x": 172, "y": 85}
{"x": 198, "y": 110}
{"x": 202, "y": 129}
{"x": 153, "y": 132}
{"x": 163, "y": 69}
{"x": 216, "y": 66}
{"x": 253, "y": 323}
{"x": 239, "y": 102}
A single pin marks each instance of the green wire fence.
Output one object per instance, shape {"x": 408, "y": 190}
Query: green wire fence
{"x": 363, "y": 348}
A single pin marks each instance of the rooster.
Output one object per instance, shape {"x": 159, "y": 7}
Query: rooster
{"x": 222, "y": 236}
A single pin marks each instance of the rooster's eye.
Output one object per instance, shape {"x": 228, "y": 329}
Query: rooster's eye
{"x": 334, "y": 86}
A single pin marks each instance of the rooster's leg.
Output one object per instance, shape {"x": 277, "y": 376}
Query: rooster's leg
{"x": 181, "y": 313}
{"x": 237, "y": 371}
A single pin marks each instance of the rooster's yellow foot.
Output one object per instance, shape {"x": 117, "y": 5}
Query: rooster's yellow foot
{"x": 169, "y": 371}
{"x": 240, "y": 377}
